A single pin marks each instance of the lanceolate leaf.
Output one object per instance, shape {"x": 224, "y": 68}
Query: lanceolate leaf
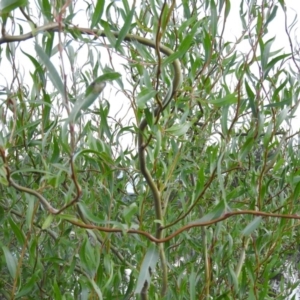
{"x": 53, "y": 74}
{"x": 10, "y": 262}
{"x": 272, "y": 63}
{"x": 272, "y": 15}
{"x": 46, "y": 9}
{"x": 179, "y": 129}
{"x": 7, "y": 6}
{"x": 148, "y": 265}
{"x": 214, "y": 18}
{"x": 144, "y": 96}
{"x": 97, "y": 13}
{"x": 227, "y": 100}
{"x": 184, "y": 46}
{"x": 252, "y": 226}
{"x": 125, "y": 28}
{"x": 266, "y": 53}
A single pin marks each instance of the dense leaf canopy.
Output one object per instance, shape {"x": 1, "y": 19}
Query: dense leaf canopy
{"x": 148, "y": 152}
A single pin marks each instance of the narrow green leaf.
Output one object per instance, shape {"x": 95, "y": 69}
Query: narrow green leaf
{"x": 275, "y": 95}
{"x": 88, "y": 214}
{"x": 158, "y": 137}
{"x": 129, "y": 211}
{"x": 179, "y": 129}
{"x": 207, "y": 46}
{"x": 183, "y": 47}
{"x": 164, "y": 17}
{"x": 148, "y": 265}
{"x": 251, "y": 98}
{"x": 28, "y": 287}
{"x": 234, "y": 278}
{"x": 97, "y": 13}
{"x": 281, "y": 117}
{"x": 125, "y": 28}
{"x": 186, "y": 24}
{"x": 149, "y": 116}
{"x": 85, "y": 258}
{"x": 227, "y": 100}
{"x": 2, "y": 215}
{"x": 130, "y": 287}
{"x": 213, "y": 18}
{"x": 46, "y": 110}
{"x": 271, "y": 64}
{"x": 103, "y": 78}
{"x": 17, "y": 231}
{"x": 200, "y": 181}
{"x": 224, "y": 119}
{"x": 89, "y": 253}
{"x": 105, "y": 158}
{"x": 272, "y": 15}
{"x": 242, "y": 17}
{"x": 215, "y": 213}
{"x": 47, "y": 222}
{"x": 296, "y": 192}
{"x": 187, "y": 9}
{"x": 154, "y": 7}
{"x": 55, "y": 150}
{"x": 49, "y": 44}
{"x": 266, "y": 54}
{"x": 107, "y": 31}
{"x": 56, "y": 290}
{"x": 192, "y": 284}
{"x": 110, "y": 271}
{"x": 72, "y": 56}
{"x": 267, "y": 135}
{"x": 47, "y": 137}
{"x": 30, "y": 209}
{"x": 95, "y": 286}
{"x": 10, "y": 262}
{"x": 38, "y": 67}
{"x": 259, "y": 22}
{"x": 53, "y": 74}
{"x": 282, "y": 4}
{"x": 280, "y": 104}
{"x": 92, "y": 93}
{"x": 6, "y": 6}
{"x": 220, "y": 176}
{"x": 126, "y": 6}
{"x": 30, "y": 170}
{"x": 252, "y": 226}
{"x": 144, "y": 96}
{"x": 69, "y": 218}
{"x": 46, "y": 10}
{"x": 227, "y": 8}
{"x": 224, "y": 296}
{"x": 146, "y": 80}
{"x": 31, "y": 126}
{"x": 247, "y": 146}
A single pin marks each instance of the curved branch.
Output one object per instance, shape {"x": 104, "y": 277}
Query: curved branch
{"x": 186, "y": 227}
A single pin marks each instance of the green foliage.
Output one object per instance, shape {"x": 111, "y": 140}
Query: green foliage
{"x": 179, "y": 180}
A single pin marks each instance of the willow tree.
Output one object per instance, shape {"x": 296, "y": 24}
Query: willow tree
{"x": 146, "y": 152}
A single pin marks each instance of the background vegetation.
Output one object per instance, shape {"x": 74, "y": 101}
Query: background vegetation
{"x": 180, "y": 180}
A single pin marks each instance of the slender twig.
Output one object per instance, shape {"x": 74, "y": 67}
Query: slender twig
{"x": 184, "y": 228}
